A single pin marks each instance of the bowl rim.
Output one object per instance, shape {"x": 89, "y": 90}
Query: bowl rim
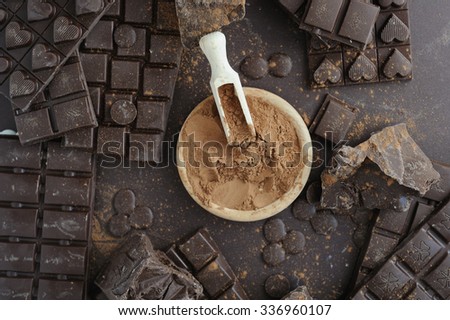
{"x": 286, "y": 199}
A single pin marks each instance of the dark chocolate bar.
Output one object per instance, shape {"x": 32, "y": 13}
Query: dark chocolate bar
{"x": 202, "y": 256}
{"x": 420, "y": 266}
{"x": 46, "y": 205}
{"x": 386, "y": 58}
{"x": 347, "y": 21}
{"x": 391, "y": 227}
{"x": 333, "y": 120}
{"x": 138, "y": 272}
{"x": 36, "y": 39}
{"x": 131, "y": 61}
{"x": 63, "y": 107}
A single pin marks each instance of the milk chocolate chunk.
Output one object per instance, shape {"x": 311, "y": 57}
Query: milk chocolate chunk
{"x": 46, "y": 212}
{"x": 131, "y": 60}
{"x": 40, "y": 37}
{"x": 333, "y": 120}
{"x": 139, "y": 272}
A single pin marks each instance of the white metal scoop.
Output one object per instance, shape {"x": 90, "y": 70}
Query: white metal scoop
{"x": 214, "y": 47}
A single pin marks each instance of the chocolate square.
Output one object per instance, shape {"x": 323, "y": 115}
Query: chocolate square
{"x": 165, "y": 48}
{"x": 65, "y": 225}
{"x": 111, "y": 141}
{"x": 439, "y": 278}
{"x": 389, "y": 282}
{"x": 63, "y": 260}
{"x": 216, "y": 277}
{"x": 60, "y": 290}
{"x": 101, "y": 37}
{"x": 419, "y": 251}
{"x": 16, "y": 288}
{"x": 333, "y": 120}
{"x": 151, "y": 115}
{"x": 145, "y": 147}
{"x": 138, "y": 11}
{"x": 359, "y": 21}
{"x": 73, "y": 114}
{"x": 323, "y": 14}
{"x": 18, "y": 222}
{"x": 157, "y": 81}
{"x": 138, "y": 48}
{"x": 67, "y": 81}
{"x": 393, "y": 29}
{"x": 199, "y": 250}
{"x": 23, "y": 253}
{"x": 34, "y": 124}
{"x": 95, "y": 66}
{"x": 395, "y": 63}
{"x": 125, "y": 74}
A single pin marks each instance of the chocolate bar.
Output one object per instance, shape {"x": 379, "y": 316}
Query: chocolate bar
{"x": 63, "y": 107}
{"x": 386, "y": 58}
{"x": 138, "y": 272}
{"x": 201, "y": 254}
{"x": 46, "y": 205}
{"x": 131, "y": 61}
{"x": 391, "y": 227}
{"x": 333, "y": 120}
{"x": 36, "y": 39}
{"x": 420, "y": 266}
{"x": 347, "y": 21}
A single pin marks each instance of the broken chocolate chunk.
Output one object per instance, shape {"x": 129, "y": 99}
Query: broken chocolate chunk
{"x": 138, "y": 272}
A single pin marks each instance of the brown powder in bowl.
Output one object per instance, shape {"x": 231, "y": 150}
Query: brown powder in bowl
{"x": 248, "y": 176}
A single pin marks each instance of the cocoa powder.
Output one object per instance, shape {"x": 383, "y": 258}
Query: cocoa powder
{"x": 251, "y": 175}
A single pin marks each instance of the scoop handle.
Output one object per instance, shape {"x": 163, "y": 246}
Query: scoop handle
{"x": 214, "y": 48}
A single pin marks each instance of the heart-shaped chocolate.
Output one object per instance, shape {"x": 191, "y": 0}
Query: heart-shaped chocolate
{"x": 38, "y": 10}
{"x": 5, "y": 64}
{"x": 395, "y": 29}
{"x": 3, "y": 16}
{"x": 17, "y": 36}
{"x": 43, "y": 58}
{"x": 20, "y": 84}
{"x": 362, "y": 68}
{"x": 388, "y": 3}
{"x": 397, "y": 64}
{"x": 88, "y": 6}
{"x": 327, "y": 71}
{"x": 65, "y": 30}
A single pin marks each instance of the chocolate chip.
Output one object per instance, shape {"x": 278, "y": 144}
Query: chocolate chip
{"x": 274, "y": 254}
{"x": 125, "y": 36}
{"x": 314, "y": 192}
{"x": 274, "y": 230}
{"x": 124, "y": 201}
{"x": 280, "y": 65}
{"x": 303, "y": 210}
{"x": 123, "y": 112}
{"x": 324, "y": 222}
{"x": 254, "y": 67}
{"x": 141, "y": 218}
{"x": 294, "y": 242}
{"x": 119, "y": 225}
{"x": 277, "y": 286}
